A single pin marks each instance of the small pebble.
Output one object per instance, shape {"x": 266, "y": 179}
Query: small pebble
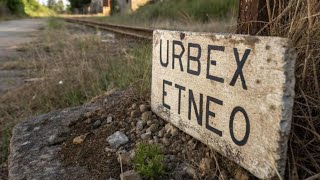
{"x": 87, "y": 121}
{"x": 109, "y": 119}
{"x": 96, "y": 124}
{"x": 135, "y": 113}
{"x": 134, "y": 106}
{"x": 79, "y": 139}
{"x": 174, "y": 132}
{"x": 146, "y": 136}
{"x": 161, "y": 133}
{"x": 146, "y": 115}
{"x": 166, "y": 141}
{"x": 124, "y": 157}
{"x": 143, "y": 108}
{"x": 140, "y": 125}
{"x": 150, "y": 122}
{"x": 153, "y": 128}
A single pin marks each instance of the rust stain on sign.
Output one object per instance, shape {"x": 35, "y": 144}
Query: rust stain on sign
{"x": 224, "y": 91}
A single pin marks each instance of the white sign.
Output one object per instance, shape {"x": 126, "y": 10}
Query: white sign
{"x": 232, "y": 92}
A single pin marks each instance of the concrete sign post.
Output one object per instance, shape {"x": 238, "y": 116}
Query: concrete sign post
{"x": 232, "y": 92}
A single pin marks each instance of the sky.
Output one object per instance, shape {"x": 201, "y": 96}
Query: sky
{"x": 45, "y": 2}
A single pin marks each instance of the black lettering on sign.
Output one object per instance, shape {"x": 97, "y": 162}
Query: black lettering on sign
{"x": 181, "y": 88}
{"x": 194, "y": 58}
{"x": 213, "y": 63}
{"x": 177, "y": 56}
{"x": 246, "y": 136}
{"x": 198, "y": 113}
{"x": 164, "y": 93}
{"x": 164, "y": 64}
{"x": 240, "y": 64}
{"x": 212, "y": 114}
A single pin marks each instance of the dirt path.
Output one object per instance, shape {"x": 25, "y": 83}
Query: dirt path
{"x": 12, "y": 35}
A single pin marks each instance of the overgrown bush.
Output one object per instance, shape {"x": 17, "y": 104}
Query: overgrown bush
{"x": 15, "y": 6}
{"x": 201, "y": 10}
{"x": 24, "y": 7}
{"x": 148, "y": 160}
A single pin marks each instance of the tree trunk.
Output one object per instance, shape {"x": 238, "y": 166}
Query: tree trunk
{"x": 253, "y": 16}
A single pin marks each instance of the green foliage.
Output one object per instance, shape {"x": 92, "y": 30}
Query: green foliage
{"x": 114, "y": 7}
{"x": 27, "y": 7}
{"x": 148, "y": 160}
{"x": 78, "y": 3}
{"x": 201, "y": 10}
{"x": 34, "y": 9}
{"x": 15, "y": 6}
{"x": 57, "y": 6}
{"x": 51, "y": 3}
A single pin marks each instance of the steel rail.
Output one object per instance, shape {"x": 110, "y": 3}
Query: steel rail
{"x": 137, "y": 32}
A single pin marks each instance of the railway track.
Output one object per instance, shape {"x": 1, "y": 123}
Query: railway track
{"x": 137, "y": 32}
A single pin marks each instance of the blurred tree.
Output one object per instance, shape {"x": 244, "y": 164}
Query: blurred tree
{"x": 51, "y": 4}
{"x": 78, "y": 4}
{"x": 56, "y": 6}
{"x": 114, "y": 7}
{"x": 59, "y": 7}
{"x": 15, "y": 6}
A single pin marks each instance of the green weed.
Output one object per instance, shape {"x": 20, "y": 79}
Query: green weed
{"x": 148, "y": 160}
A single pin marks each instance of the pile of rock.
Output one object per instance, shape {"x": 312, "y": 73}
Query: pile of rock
{"x": 185, "y": 157}
{"x": 68, "y": 144}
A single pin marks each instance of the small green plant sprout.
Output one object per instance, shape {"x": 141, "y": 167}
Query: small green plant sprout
{"x": 148, "y": 160}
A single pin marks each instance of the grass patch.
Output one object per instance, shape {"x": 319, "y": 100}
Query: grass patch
{"x": 73, "y": 67}
{"x": 148, "y": 160}
{"x": 195, "y": 15}
{"x": 199, "y": 10}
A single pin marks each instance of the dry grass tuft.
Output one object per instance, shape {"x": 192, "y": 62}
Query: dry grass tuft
{"x": 299, "y": 20}
{"x": 68, "y": 66}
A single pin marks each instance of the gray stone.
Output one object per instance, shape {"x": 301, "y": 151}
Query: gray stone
{"x": 153, "y": 128}
{"x": 130, "y": 175}
{"x": 146, "y": 116}
{"x": 135, "y": 113}
{"x": 140, "y": 125}
{"x": 167, "y": 134}
{"x": 36, "y": 154}
{"x": 143, "y": 108}
{"x": 109, "y": 119}
{"x": 117, "y": 139}
{"x": 161, "y": 133}
{"x": 174, "y": 132}
{"x": 166, "y": 141}
{"x": 124, "y": 157}
{"x": 109, "y": 150}
{"x": 146, "y": 136}
{"x": 134, "y": 106}
{"x": 150, "y": 122}
{"x": 96, "y": 124}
